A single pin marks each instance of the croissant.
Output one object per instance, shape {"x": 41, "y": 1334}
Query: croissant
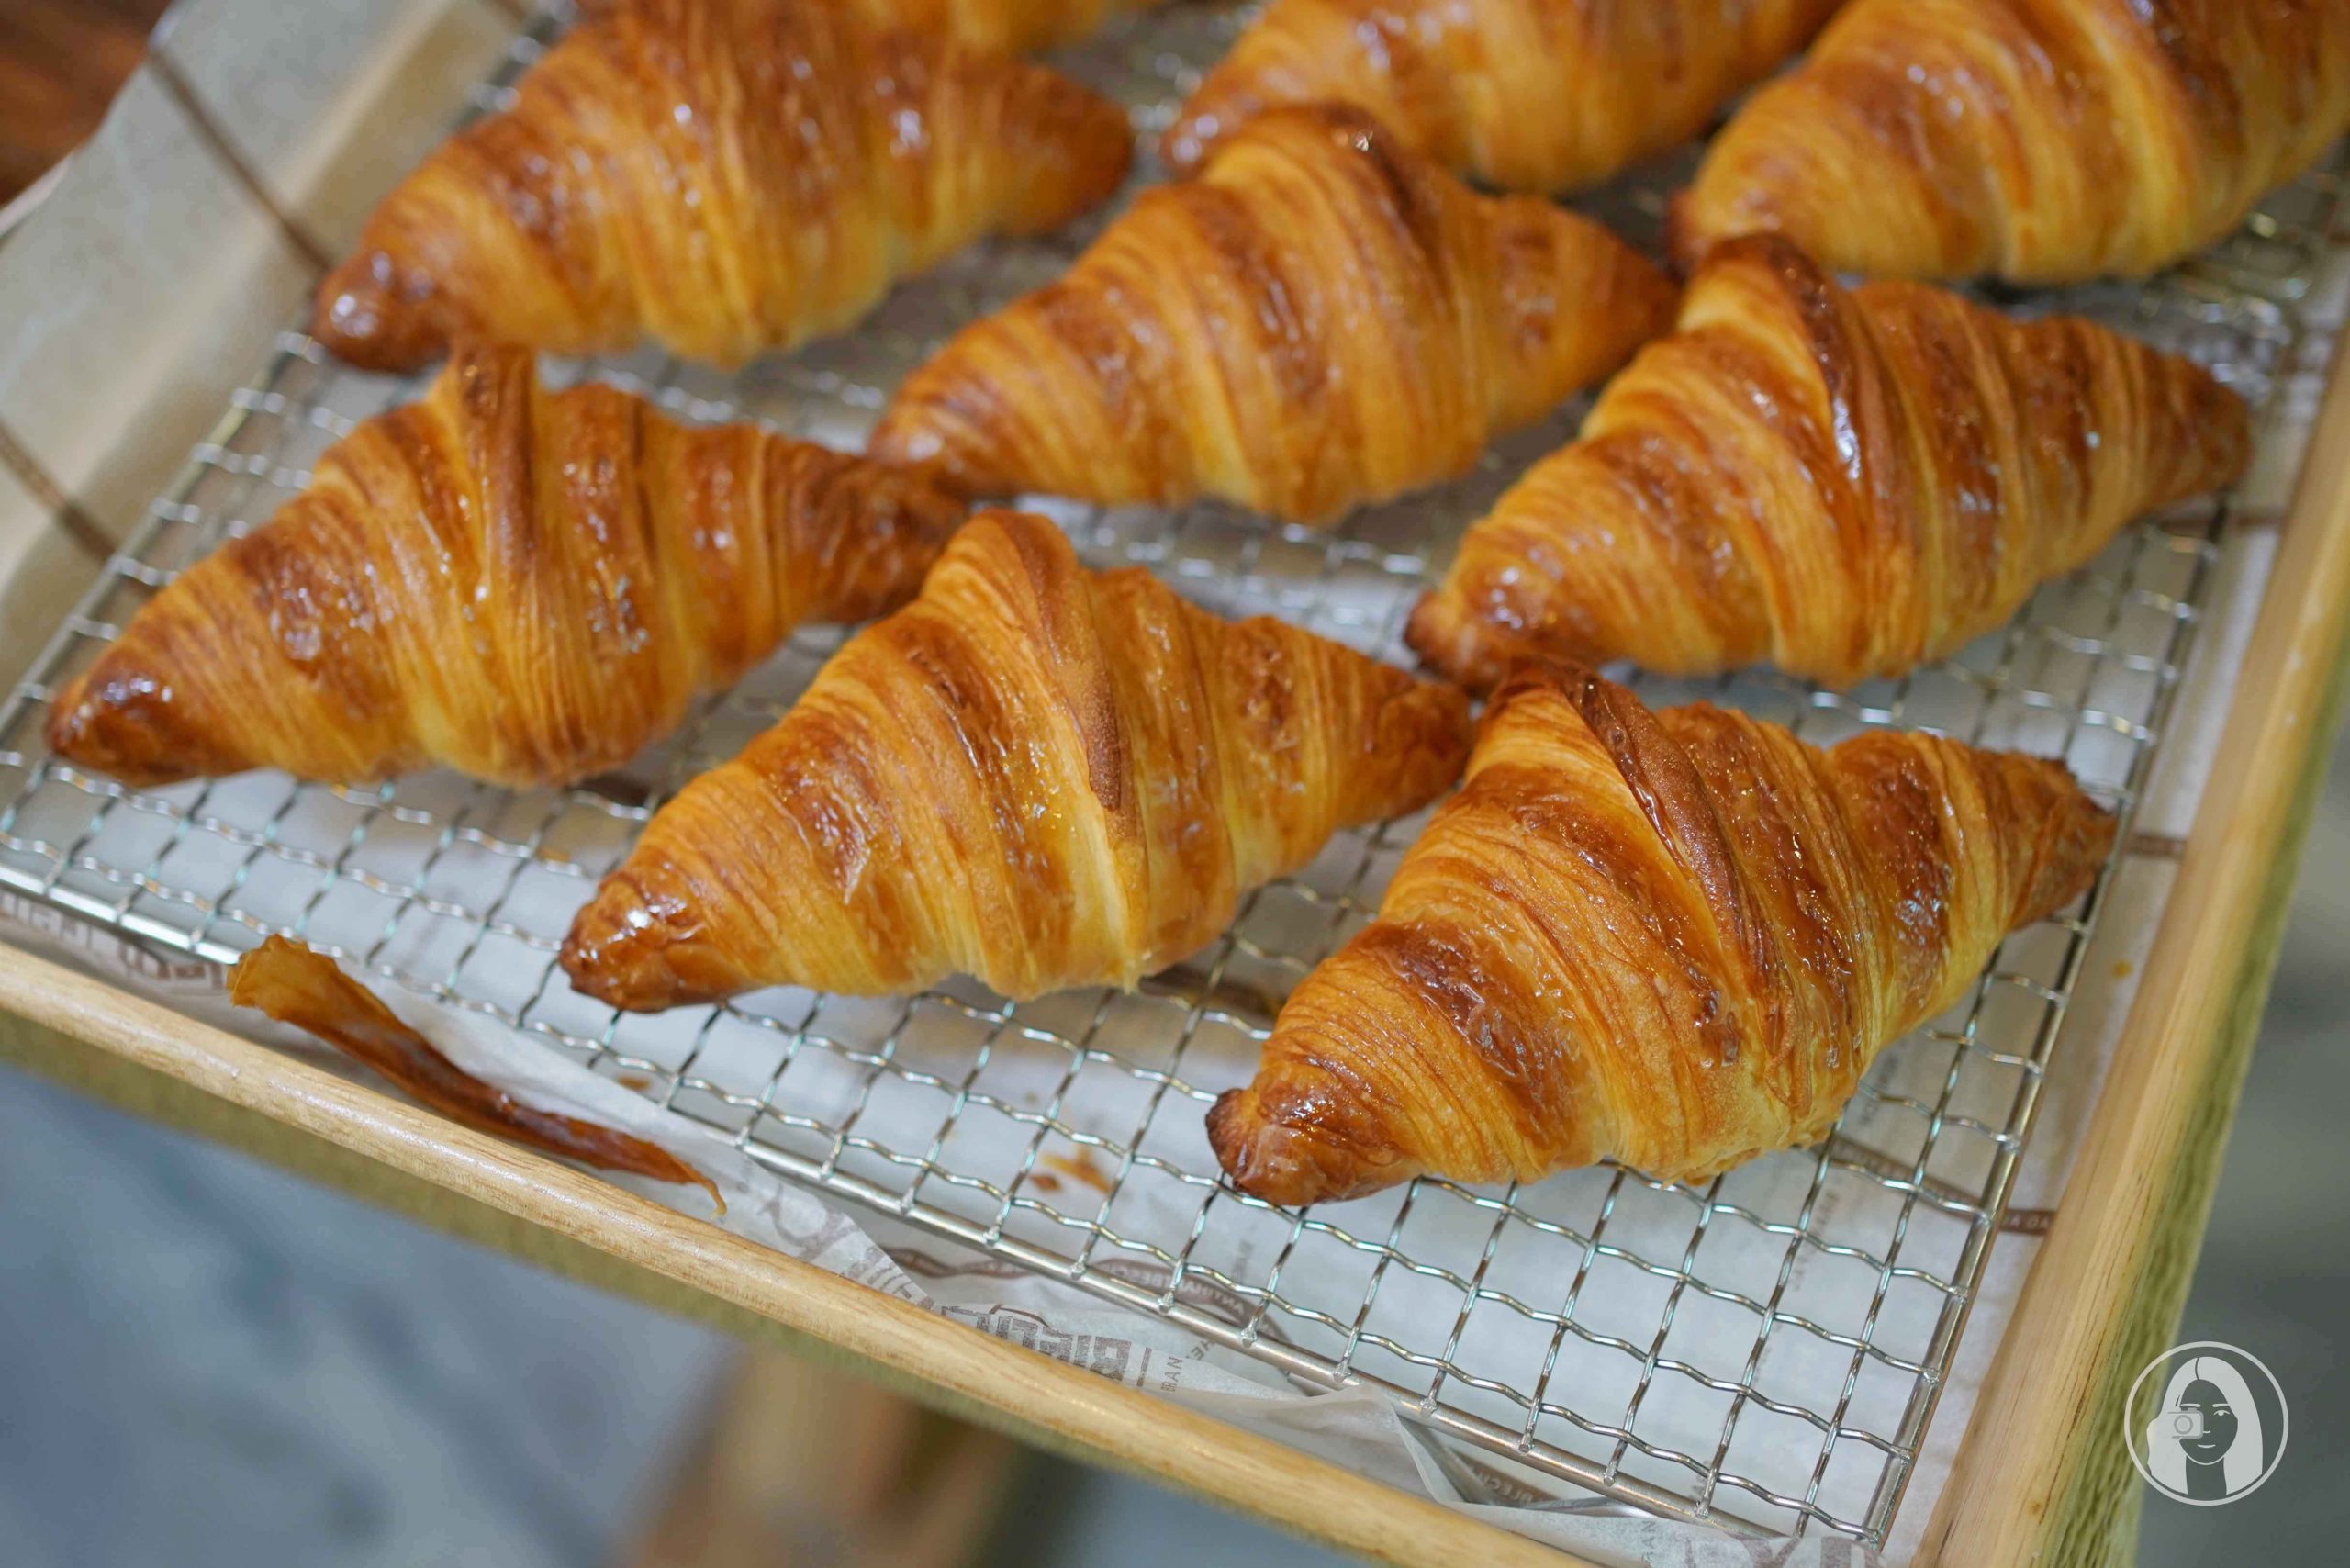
{"x": 2042, "y": 140}
{"x": 1033, "y": 773}
{"x": 1321, "y": 318}
{"x": 1844, "y": 484}
{"x": 725, "y": 176}
{"x": 1674, "y": 940}
{"x": 525, "y": 586}
{"x": 1526, "y": 95}
{"x": 1014, "y": 26}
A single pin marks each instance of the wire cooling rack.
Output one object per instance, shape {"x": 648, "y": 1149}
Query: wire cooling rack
{"x": 1762, "y": 1352}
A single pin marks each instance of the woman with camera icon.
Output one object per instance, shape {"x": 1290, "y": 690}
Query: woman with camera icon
{"x": 2204, "y": 1444}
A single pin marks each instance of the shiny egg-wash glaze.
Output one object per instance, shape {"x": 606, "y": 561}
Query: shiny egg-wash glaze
{"x": 2039, "y": 141}
{"x": 1672, "y": 939}
{"x": 724, "y": 176}
{"x": 1014, "y": 26}
{"x": 1526, "y": 94}
{"x": 1843, "y": 484}
{"x": 1319, "y": 320}
{"x": 527, "y": 587}
{"x": 1035, "y": 774}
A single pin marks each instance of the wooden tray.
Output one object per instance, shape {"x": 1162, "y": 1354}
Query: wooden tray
{"x": 2040, "y": 1472}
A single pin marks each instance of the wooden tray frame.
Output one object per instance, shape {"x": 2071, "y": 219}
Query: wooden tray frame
{"x": 2042, "y": 1475}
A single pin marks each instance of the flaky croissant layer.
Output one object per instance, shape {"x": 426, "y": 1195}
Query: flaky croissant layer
{"x": 1013, "y": 26}
{"x": 1320, "y": 320}
{"x": 724, "y": 176}
{"x": 1672, "y": 939}
{"x": 1034, "y": 774}
{"x": 2042, "y": 140}
{"x": 1526, "y": 95}
{"x": 526, "y": 586}
{"x": 1844, "y": 484}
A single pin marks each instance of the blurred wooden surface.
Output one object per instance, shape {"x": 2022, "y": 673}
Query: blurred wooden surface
{"x": 60, "y": 62}
{"x": 808, "y": 1466}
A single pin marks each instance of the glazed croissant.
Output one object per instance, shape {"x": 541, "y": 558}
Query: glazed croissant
{"x": 1843, "y": 484}
{"x": 1321, "y": 318}
{"x": 1007, "y": 25}
{"x": 2042, "y": 140}
{"x": 1033, "y": 773}
{"x": 724, "y": 176}
{"x": 525, "y": 586}
{"x": 1674, "y": 940}
{"x": 1526, "y": 95}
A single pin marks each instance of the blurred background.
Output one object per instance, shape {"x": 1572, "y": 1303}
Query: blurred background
{"x": 60, "y": 62}
{"x": 208, "y": 1363}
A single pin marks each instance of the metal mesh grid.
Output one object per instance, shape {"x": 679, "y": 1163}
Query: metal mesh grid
{"x": 1578, "y": 1326}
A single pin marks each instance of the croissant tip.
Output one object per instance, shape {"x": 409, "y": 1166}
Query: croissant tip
{"x": 1236, "y": 1132}
{"x": 2232, "y": 413}
{"x": 2096, "y": 825}
{"x": 1685, "y": 246}
{"x": 1451, "y": 643}
{"x": 1072, "y": 145}
{"x": 1451, "y": 704}
{"x": 118, "y": 724}
{"x": 911, "y": 437}
{"x": 588, "y": 962}
{"x": 1285, "y": 1164}
{"x": 1185, "y": 145}
{"x": 623, "y": 950}
{"x": 365, "y": 317}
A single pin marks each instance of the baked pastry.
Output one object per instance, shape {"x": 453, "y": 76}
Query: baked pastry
{"x": 302, "y": 987}
{"x": 1014, "y": 26}
{"x": 724, "y": 176}
{"x": 1674, "y": 939}
{"x": 526, "y": 586}
{"x": 2039, "y": 141}
{"x": 1845, "y": 484}
{"x": 1034, "y": 774}
{"x": 1526, "y": 95}
{"x": 1321, "y": 318}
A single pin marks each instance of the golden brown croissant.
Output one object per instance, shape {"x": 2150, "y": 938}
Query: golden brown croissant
{"x": 1528, "y": 94}
{"x": 2042, "y": 141}
{"x": 1671, "y": 939}
{"x": 1009, "y": 25}
{"x": 1319, "y": 320}
{"x": 1844, "y": 484}
{"x": 725, "y": 176}
{"x": 1033, "y": 773}
{"x": 525, "y": 586}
